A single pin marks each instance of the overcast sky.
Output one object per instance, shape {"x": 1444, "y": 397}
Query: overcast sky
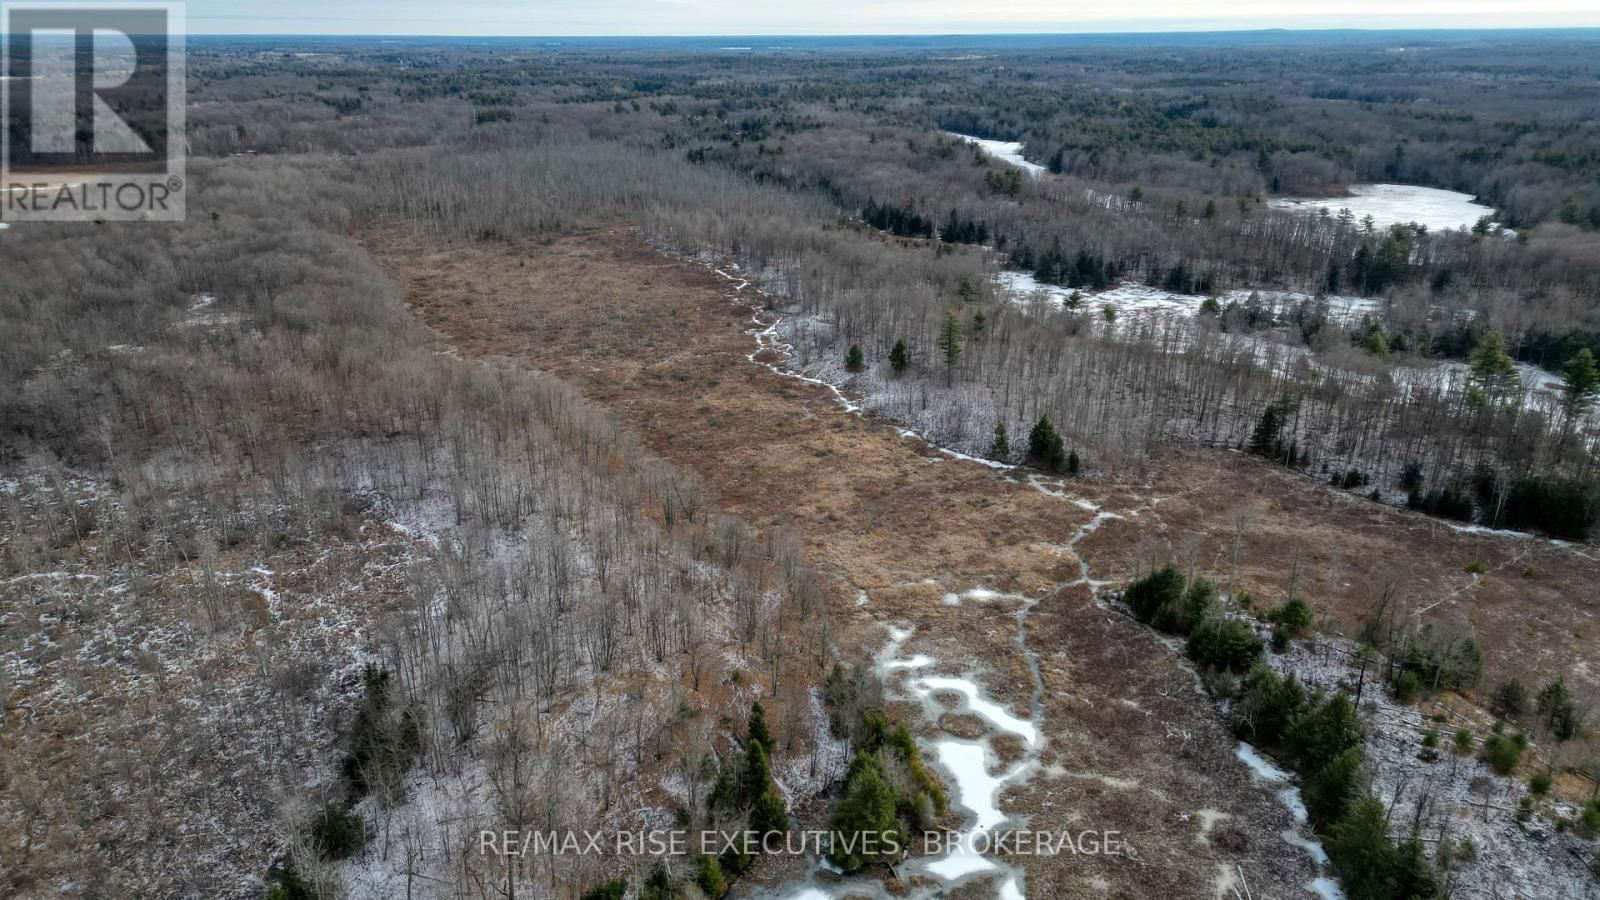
{"x": 691, "y": 17}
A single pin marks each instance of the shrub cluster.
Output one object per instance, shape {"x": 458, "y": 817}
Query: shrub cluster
{"x": 1166, "y": 600}
{"x": 888, "y": 791}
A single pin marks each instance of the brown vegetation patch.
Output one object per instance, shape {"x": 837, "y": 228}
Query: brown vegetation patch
{"x": 1528, "y": 610}
{"x": 963, "y": 725}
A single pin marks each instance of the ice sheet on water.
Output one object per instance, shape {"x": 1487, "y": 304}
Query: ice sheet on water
{"x": 1397, "y": 204}
{"x": 1326, "y": 888}
{"x": 979, "y": 791}
{"x": 978, "y": 705}
{"x": 1005, "y": 151}
{"x": 1258, "y": 764}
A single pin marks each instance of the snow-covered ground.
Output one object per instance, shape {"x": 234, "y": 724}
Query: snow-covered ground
{"x": 1139, "y": 305}
{"x": 1005, "y": 151}
{"x": 1461, "y": 797}
{"x": 1397, "y": 204}
{"x": 1131, "y": 299}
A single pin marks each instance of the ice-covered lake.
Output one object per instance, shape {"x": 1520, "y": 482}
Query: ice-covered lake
{"x": 1006, "y": 151}
{"x": 1397, "y": 204}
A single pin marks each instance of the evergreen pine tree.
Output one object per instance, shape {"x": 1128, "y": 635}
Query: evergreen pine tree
{"x": 950, "y": 345}
{"x": 1330, "y": 790}
{"x": 1221, "y": 643}
{"x": 864, "y": 818}
{"x": 768, "y": 816}
{"x": 951, "y": 232}
{"x": 1269, "y": 704}
{"x": 1044, "y": 445}
{"x": 1413, "y": 874}
{"x": 757, "y": 774}
{"x": 1163, "y": 587}
{"x": 725, "y": 792}
{"x": 758, "y": 727}
{"x": 1492, "y": 368}
{"x": 1000, "y": 448}
{"x": 1510, "y": 700}
{"x": 659, "y": 886}
{"x": 1557, "y": 712}
{"x": 1581, "y": 382}
{"x": 899, "y": 358}
{"x": 1362, "y": 855}
{"x": 1073, "y": 463}
{"x": 979, "y": 323}
{"x": 854, "y": 361}
{"x": 1267, "y": 439}
{"x": 1323, "y": 732}
{"x": 610, "y": 890}
{"x": 708, "y": 874}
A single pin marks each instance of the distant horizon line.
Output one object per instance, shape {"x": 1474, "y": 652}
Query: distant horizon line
{"x": 920, "y": 34}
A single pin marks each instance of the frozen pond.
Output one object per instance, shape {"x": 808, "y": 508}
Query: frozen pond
{"x": 1005, "y": 151}
{"x": 1397, "y": 204}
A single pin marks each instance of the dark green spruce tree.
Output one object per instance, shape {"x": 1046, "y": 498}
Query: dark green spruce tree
{"x": 899, "y": 357}
{"x": 1000, "y": 448}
